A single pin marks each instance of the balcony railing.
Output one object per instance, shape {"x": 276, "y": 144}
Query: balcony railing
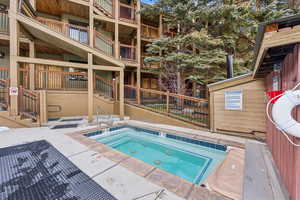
{"x": 29, "y": 104}
{"x": 23, "y": 75}
{"x": 73, "y": 81}
{"x": 78, "y": 33}
{"x": 127, "y": 12}
{"x": 149, "y": 65}
{"x": 4, "y": 95}
{"x": 127, "y": 52}
{"x": 105, "y": 6}
{"x": 104, "y": 86}
{"x": 103, "y": 44}
{"x": 4, "y": 22}
{"x": 150, "y": 32}
{"x": 190, "y": 109}
{"x": 4, "y": 73}
{"x": 60, "y": 80}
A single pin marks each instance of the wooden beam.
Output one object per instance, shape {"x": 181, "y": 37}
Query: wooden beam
{"x": 104, "y": 18}
{"x": 138, "y": 45}
{"x": 81, "y": 2}
{"x": 117, "y": 45}
{"x": 107, "y": 68}
{"x": 91, "y": 24}
{"x": 42, "y": 61}
{"x": 14, "y": 33}
{"x": 31, "y": 66}
{"x": 122, "y": 111}
{"x": 51, "y": 62}
{"x": 90, "y": 88}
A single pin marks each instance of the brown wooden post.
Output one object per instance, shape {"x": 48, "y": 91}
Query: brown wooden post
{"x": 138, "y": 95}
{"x": 14, "y": 30}
{"x": 122, "y": 109}
{"x": 91, "y": 24}
{"x": 90, "y": 88}
{"x": 43, "y": 107}
{"x": 168, "y": 101}
{"x": 138, "y": 49}
{"x": 114, "y": 89}
{"x": 94, "y": 83}
{"x": 160, "y": 31}
{"x": 31, "y": 66}
{"x": 117, "y": 45}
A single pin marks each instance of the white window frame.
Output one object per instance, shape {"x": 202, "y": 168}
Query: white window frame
{"x": 227, "y": 104}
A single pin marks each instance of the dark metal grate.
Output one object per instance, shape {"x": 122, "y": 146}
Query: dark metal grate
{"x": 53, "y": 119}
{"x": 73, "y": 119}
{"x": 37, "y": 171}
{"x": 65, "y": 126}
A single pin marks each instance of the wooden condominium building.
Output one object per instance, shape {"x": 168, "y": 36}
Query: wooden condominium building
{"x": 68, "y": 57}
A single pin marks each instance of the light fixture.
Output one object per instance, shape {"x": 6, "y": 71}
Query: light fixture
{"x": 2, "y": 54}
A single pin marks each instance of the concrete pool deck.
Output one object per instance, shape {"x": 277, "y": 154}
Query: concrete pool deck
{"x": 121, "y": 175}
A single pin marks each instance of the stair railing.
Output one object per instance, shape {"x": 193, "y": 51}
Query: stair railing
{"x": 4, "y": 94}
{"x": 104, "y": 44}
{"x": 106, "y": 6}
{"x": 29, "y": 104}
{"x": 78, "y": 33}
{"x": 103, "y": 86}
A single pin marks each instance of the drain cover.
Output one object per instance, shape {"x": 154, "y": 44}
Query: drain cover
{"x": 73, "y": 119}
{"x": 53, "y": 119}
{"x": 65, "y": 126}
{"x": 157, "y": 162}
{"x": 36, "y": 171}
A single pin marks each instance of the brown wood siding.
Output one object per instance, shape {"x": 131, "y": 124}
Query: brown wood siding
{"x": 250, "y": 121}
{"x": 286, "y": 156}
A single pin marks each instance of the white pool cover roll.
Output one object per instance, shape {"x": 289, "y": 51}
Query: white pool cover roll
{"x": 3, "y": 128}
{"x": 282, "y": 112}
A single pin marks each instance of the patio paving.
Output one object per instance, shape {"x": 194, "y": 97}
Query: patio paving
{"x": 38, "y": 171}
{"x": 123, "y": 176}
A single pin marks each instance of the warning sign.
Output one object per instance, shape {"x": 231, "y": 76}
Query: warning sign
{"x": 13, "y": 91}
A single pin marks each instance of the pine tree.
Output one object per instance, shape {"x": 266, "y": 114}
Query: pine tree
{"x": 207, "y": 31}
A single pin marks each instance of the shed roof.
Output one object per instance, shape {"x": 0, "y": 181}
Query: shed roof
{"x": 272, "y": 47}
{"x": 230, "y": 82}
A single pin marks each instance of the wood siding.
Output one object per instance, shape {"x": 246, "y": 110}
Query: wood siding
{"x": 250, "y": 121}
{"x": 286, "y": 156}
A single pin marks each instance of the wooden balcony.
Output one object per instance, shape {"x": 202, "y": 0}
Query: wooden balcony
{"x": 128, "y": 53}
{"x": 149, "y": 65}
{"x": 78, "y": 33}
{"x": 4, "y": 22}
{"x": 149, "y": 32}
{"x": 106, "y": 6}
{"x": 127, "y": 13}
{"x": 104, "y": 44}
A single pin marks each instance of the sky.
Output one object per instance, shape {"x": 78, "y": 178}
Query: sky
{"x": 148, "y": 1}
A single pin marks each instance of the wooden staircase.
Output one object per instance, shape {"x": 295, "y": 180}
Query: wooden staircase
{"x": 106, "y": 7}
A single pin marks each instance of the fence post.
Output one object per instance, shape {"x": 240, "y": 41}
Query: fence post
{"x": 138, "y": 95}
{"x": 20, "y": 98}
{"x": 94, "y": 82}
{"x": 114, "y": 89}
{"x": 42, "y": 107}
{"x": 168, "y": 101}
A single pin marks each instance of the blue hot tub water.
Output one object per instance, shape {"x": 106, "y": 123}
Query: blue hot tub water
{"x": 192, "y": 162}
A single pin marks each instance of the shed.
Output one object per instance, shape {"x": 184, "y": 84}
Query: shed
{"x": 237, "y": 107}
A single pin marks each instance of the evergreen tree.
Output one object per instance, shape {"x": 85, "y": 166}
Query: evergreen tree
{"x": 207, "y": 31}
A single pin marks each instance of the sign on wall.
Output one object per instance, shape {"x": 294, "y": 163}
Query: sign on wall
{"x": 276, "y": 82}
{"x": 234, "y": 100}
{"x": 13, "y": 91}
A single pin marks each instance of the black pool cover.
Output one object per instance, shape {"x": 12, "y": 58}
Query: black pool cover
{"x": 37, "y": 171}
